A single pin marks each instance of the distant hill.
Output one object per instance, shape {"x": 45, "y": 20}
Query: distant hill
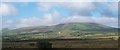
{"x": 65, "y": 30}
{"x": 65, "y": 27}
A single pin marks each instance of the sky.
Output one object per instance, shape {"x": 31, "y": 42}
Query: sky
{"x": 25, "y": 14}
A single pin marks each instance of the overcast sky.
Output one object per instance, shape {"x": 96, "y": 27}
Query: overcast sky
{"x": 24, "y": 14}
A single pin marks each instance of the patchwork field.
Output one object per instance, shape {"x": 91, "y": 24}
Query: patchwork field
{"x": 64, "y": 44}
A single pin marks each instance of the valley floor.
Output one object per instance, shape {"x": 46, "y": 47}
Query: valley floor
{"x": 63, "y": 44}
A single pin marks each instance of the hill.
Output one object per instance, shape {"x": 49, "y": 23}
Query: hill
{"x": 58, "y": 31}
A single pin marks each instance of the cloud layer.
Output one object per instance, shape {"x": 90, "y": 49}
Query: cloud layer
{"x": 7, "y": 10}
{"x": 92, "y": 12}
{"x": 60, "y": 0}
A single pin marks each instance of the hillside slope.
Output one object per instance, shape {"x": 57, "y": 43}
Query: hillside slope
{"x": 60, "y": 30}
{"x": 81, "y": 27}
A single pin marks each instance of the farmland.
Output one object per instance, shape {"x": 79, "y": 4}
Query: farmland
{"x": 64, "y": 43}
